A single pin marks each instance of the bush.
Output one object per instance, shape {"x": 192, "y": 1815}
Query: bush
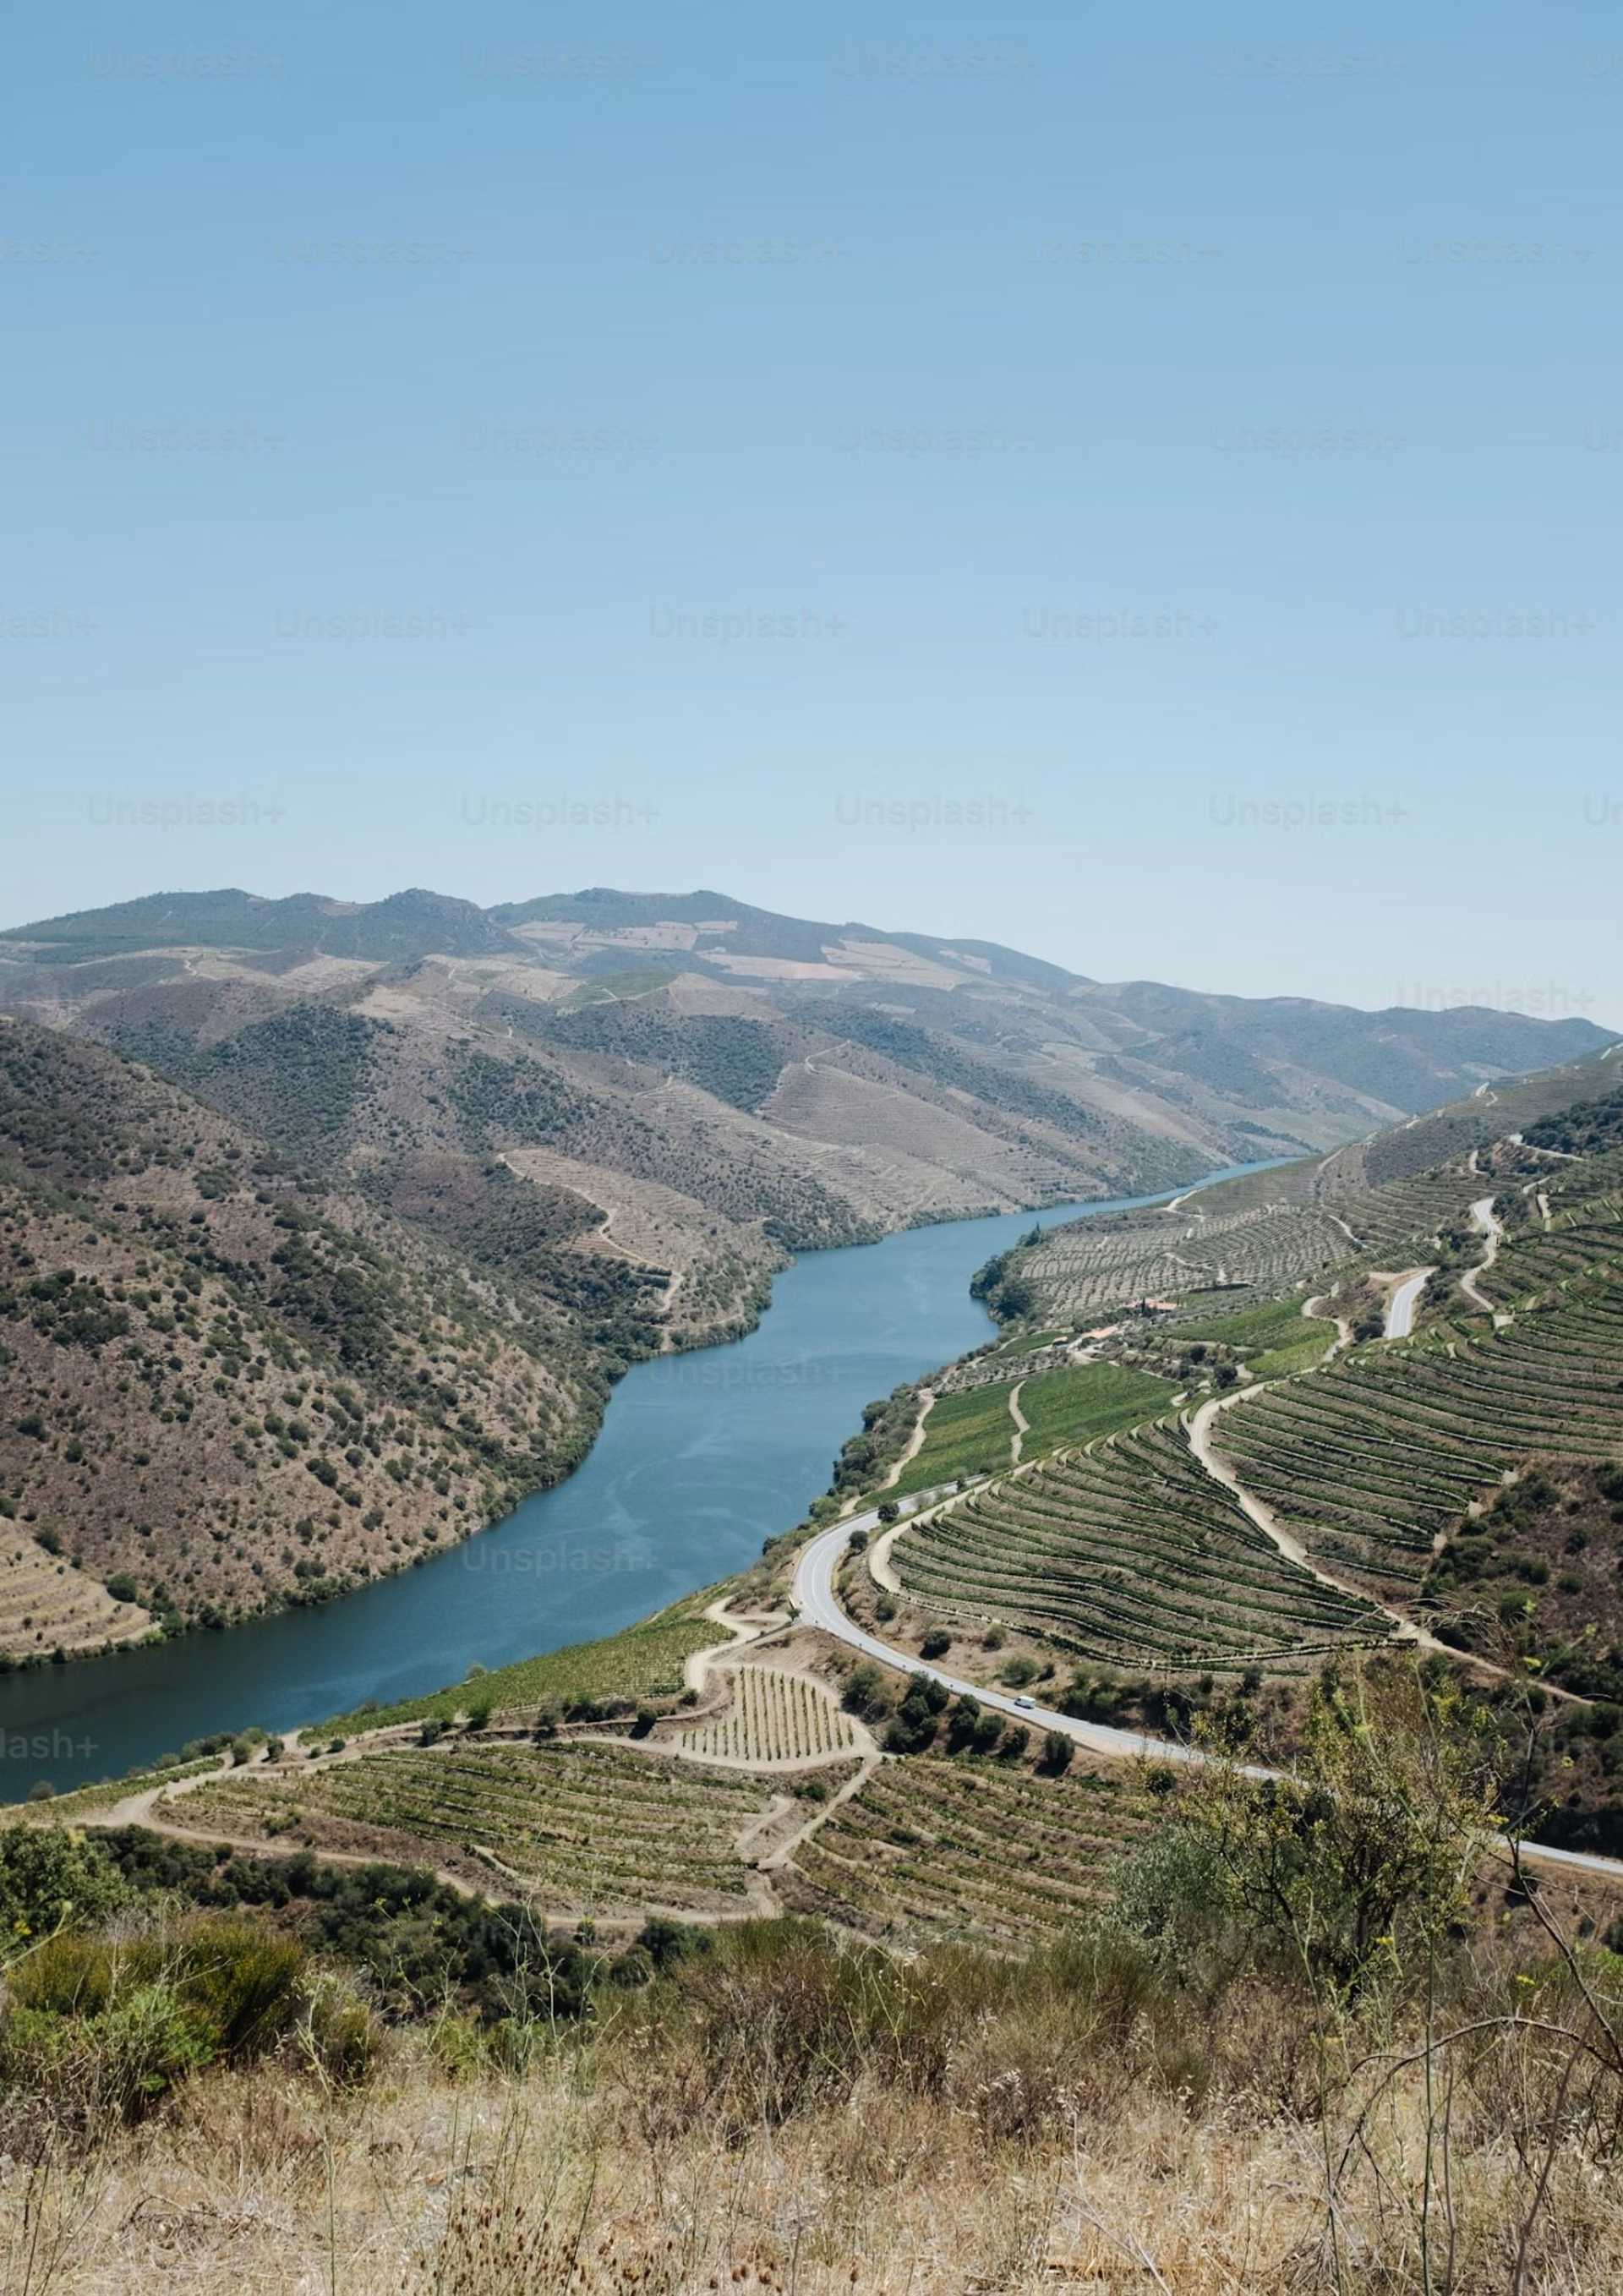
{"x": 246, "y": 1979}
{"x": 342, "y": 2036}
{"x": 1059, "y": 1751}
{"x": 866, "y": 1694}
{"x": 109, "y": 2028}
{"x": 936, "y": 1643}
{"x": 50, "y": 1876}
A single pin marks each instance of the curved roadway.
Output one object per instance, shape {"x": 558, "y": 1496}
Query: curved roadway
{"x": 814, "y": 1597}
{"x": 1400, "y": 1308}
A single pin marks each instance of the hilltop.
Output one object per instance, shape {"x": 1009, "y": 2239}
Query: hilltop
{"x": 718, "y": 1083}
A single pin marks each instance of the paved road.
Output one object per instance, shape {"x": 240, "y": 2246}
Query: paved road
{"x": 1400, "y": 1308}
{"x": 815, "y": 1598}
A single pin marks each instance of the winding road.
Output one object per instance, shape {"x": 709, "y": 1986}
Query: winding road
{"x": 818, "y": 1605}
{"x": 1488, "y": 1220}
{"x": 1400, "y": 1308}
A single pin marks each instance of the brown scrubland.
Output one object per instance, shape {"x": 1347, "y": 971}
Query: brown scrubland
{"x": 1322, "y": 2035}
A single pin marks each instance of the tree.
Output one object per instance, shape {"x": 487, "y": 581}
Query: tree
{"x": 1059, "y": 1751}
{"x": 866, "y": 1694}
{"x": 1358, "y": 1865}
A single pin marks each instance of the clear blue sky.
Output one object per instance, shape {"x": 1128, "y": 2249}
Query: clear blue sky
{"x": 741, "y": 441}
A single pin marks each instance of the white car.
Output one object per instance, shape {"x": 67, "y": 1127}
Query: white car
{"x": 1027, "y": 1705}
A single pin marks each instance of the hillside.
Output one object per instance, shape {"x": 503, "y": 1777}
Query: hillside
{"x": 1309, "y": 1473}
{"x": 1379, "y": 1198}
{"x": 230, "y": 1385}
{"x": 727, "y": 1901}
{"x": 693, "y": 1086}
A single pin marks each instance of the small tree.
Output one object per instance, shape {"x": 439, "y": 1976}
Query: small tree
{"x": 1059, "y": 1751}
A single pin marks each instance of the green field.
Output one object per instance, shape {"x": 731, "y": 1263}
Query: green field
{"x": 1075, "y": 1406}
{"x": 1275, "y": 1338}
{"x": 644, "y": 1662}
{"x": 970, "y": 1434}
{"x": 966, "y": 1434}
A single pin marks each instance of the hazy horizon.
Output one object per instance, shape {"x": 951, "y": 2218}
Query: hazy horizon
{"x": 1424, "y": 1000}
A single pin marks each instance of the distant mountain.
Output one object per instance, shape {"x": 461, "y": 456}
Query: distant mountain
{"x": 407, "y": 925}
{"x": 710, "y": 1085}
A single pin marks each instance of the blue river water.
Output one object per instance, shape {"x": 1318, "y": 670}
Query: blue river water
{"x": 702, "y": 1457}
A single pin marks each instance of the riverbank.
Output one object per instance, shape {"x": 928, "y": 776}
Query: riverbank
{"x": 703, "y": 1454}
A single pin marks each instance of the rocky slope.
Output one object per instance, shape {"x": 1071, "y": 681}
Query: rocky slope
{"x": 228, "y": 1385}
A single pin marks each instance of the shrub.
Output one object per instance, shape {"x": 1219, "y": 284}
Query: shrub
{"x": 341, "y": 2036}
{"x": 936, "y": 1643}
{"x": 109, "y": 2028}
{"x": 50, "y": 1876}
{"x": 245, "y": 1979}
{"x": 1059, "y": 1751}
{"x": 866, "y": 1694}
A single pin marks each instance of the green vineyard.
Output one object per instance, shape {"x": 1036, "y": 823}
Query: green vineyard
{"x": 1370, "y": 1461}
{"x": 774, "y": 1717}
{"x": 589, "y": 1827}
{"x": 936, "y": 1847}
{"x": 1130, "y": 1555}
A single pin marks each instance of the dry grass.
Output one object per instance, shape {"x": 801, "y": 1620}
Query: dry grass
{"x": 646, "y": 2162}
{"x": 492, "y": 2189}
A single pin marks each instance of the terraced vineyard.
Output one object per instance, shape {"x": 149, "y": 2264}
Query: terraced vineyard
{"x": 589, "y": 1827}
{"x": 1271, "y": 1340}
{"x": 1585, "y": 1239}
{"x": 932, "y": 1847}
{"x": 1078, "y": 1271}
{"x": 1131, "y": 1554}
{"x": 46, "y": 1605}
{"x": 1093, "y": 1266}
{"x": 1394, "y": 1223}
{"x": 1370, "y": 1460}
{"x": 774, "y": 1717}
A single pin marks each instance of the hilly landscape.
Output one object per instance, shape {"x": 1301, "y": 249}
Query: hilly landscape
{"x": 1190, "y": 1728}
{"x": 366, "y": 1206}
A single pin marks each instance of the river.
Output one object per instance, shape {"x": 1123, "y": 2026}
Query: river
{"x": 701, "y": 1457}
